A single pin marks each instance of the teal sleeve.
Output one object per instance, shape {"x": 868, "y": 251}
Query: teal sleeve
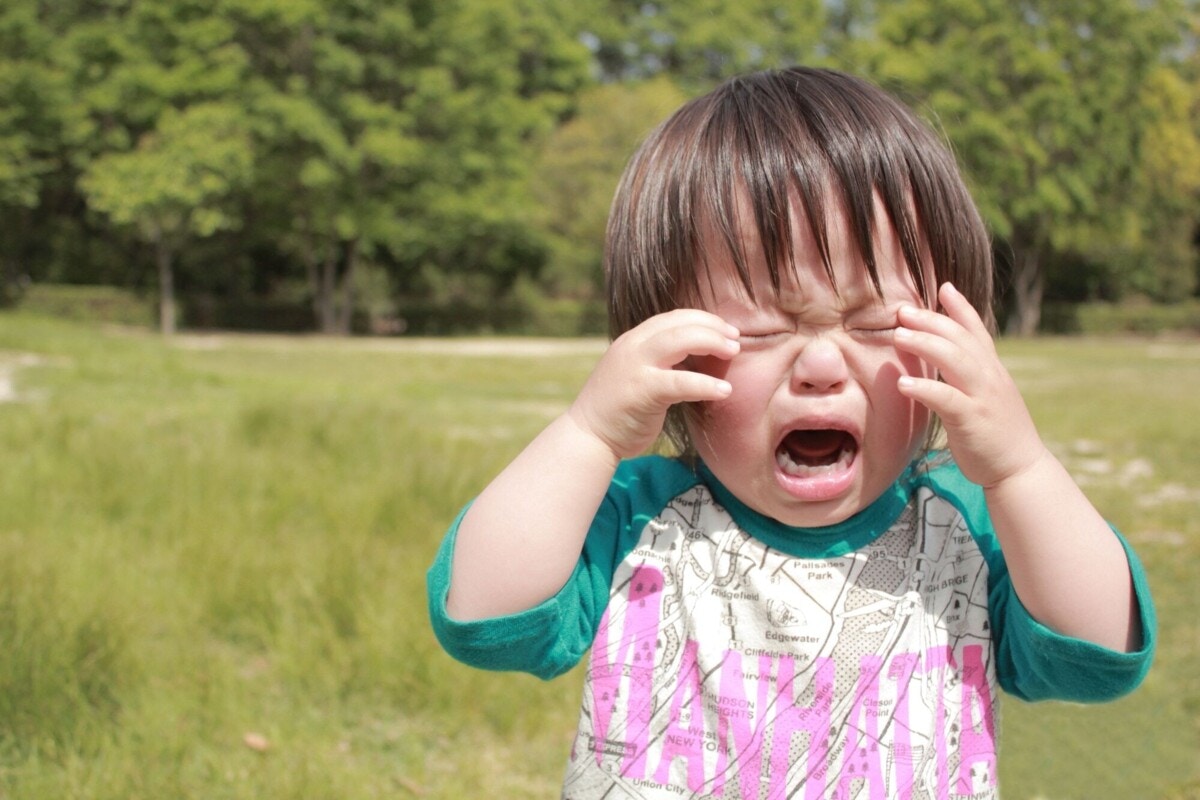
{"x": 549, "y": 639}
{"x": 1034, "y": 662}
{"x": 546, "y": 640}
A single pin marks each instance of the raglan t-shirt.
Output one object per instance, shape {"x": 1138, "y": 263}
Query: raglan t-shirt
{"x": 734, "y": 657}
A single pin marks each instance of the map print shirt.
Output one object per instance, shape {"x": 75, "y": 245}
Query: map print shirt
{"x": 732, "y": 657}
{"x": 728, "y": 668}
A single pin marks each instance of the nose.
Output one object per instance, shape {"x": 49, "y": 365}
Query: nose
{"x": 820, "y": 366}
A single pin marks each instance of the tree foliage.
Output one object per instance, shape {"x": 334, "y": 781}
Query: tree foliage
{"x": 178, "y": 183}
{"x": 318, "y": 151}
{"x": 578, "y": 169}
{"x": 700, "y": 42}
{"x": 1041, "y": 102}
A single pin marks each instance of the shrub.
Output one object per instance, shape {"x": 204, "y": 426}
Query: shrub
{"x": 1141, "y": 318}
{"x": 89, "y": 304}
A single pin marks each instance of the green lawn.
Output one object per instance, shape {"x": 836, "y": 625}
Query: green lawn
{"x": 212, "y": 554}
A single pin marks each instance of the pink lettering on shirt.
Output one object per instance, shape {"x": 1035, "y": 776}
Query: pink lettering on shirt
{"x": 685, "y": 740}
{"x": 977, "y": 741}
{"x": 860, "y": 755}
{"x": 633, "y": 657}
{"x": 740, "y": 725}
{"x": 793, "y": 720}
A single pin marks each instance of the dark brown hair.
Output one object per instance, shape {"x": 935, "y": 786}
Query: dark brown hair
{"x": 828, "y": 138}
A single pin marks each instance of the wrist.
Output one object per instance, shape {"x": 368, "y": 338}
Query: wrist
{"x": 1031, "y": 469}
{"x": 577, "y": 424}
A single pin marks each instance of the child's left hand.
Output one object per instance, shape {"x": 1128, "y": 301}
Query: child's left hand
{"x": 988, "y": 427}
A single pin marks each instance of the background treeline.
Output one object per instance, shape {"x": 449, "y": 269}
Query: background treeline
{"x": 446, "y": 165}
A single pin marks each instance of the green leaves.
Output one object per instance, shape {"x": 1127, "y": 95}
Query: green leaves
{"x": 177, "y": 178}
{"x": 699, "y": 42}
{"x": 1041, "y": 102}
{"x": 475, "y": 142}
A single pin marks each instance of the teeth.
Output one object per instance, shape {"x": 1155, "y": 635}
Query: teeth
{"x": 799, "y": 470}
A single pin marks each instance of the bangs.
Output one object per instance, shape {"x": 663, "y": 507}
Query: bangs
{"x": 798, "y": 143}
{"x": 829, "y": 153}
{"x": 820, "y": 140}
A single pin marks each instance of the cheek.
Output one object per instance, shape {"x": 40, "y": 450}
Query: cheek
{"x": 909, "y": 418}
{"x": 750, "y": 387}
{"x": 709, "y": 365}
{"x": 887, "y": 366}
{"x": 703, "y": 419}
{"x": 729, "y": 419}
{"x": 908, "y": 364}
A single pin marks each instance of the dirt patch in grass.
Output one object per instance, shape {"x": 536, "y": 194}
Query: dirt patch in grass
{"x": 10, "y": 363}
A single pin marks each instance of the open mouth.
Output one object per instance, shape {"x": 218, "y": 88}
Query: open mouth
{"x": 816, "y": 453}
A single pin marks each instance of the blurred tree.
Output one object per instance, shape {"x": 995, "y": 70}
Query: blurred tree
{"x": 699, "y": 42}
{"x": 445, "y": 143}
{"x": 28, "y": 109}
{"x": 501, "y": 76}
{"x": 328, "y": 143}
{"x": 162, "y": 145}
{"x": 1040, "y": 99}
{"x": 178, "y": 183}
{"x": 1155, "y": 256}
{"x": 578, "y": 169}
{"x": 35, "y": 113}
{"x": 401, "y": 133}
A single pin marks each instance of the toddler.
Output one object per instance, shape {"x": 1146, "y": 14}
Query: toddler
{"x": 812, "y": 597}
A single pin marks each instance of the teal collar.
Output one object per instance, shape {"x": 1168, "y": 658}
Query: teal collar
{"x": 830, "y": 541}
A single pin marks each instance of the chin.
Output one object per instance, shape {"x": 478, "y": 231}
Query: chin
{"x": 819, "y": 515}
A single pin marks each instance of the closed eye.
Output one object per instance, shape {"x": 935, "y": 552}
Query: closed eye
{"x": 761, "y": 339}
{"x": 875, "y": 327}
{"x": 874, "y": 332}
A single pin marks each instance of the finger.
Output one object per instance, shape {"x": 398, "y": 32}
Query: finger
{"x": 686, "y": 317}
{"x": 673, "y": 346}
{"x": 686, "y": 386}
{"x": 959, "y": 308}
{"x": 958, "y": 320}
{"x": 933, "y": 322}
{"x": 956, "y": 364}
{"x": 941, "y": 398}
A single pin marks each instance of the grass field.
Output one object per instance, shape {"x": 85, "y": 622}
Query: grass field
{"x": 212, "y": 554}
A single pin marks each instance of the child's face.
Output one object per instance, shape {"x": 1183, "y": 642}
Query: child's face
{"x": 815, "y": 429}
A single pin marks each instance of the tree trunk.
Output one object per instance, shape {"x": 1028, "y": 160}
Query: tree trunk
{"x": 8, "y": 281}
{"x": 1029, "y": 284}
{"x": 326, "y": 300}
{"x": 166, "y": 285}
{"x": 312, "y": 273}
{"x": 334, "y": 285}
{"x": 345, "y": 311}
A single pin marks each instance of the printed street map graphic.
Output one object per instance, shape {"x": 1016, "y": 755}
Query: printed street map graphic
{"x": 866, "y": 676}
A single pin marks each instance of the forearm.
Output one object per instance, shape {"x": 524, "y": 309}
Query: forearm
{"x": 1067, "y": 566}
{"x": 521, "y": 539}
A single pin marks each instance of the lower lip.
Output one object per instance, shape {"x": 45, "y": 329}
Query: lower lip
{"x": 818, "y": 488}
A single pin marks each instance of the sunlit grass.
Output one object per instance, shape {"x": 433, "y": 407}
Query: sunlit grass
{"x": 1123, "y": 415}
{"x": 212, "y": 558}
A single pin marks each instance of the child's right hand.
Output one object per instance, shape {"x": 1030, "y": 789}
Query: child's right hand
{"x": 645, "y": 371}
{"x": 566, "y": 470}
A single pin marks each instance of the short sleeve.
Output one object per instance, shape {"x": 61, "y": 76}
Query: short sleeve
{"x": 1036, "y": 663}
{"x": 545, "y": 640}
{"x": 551, "y": 638}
